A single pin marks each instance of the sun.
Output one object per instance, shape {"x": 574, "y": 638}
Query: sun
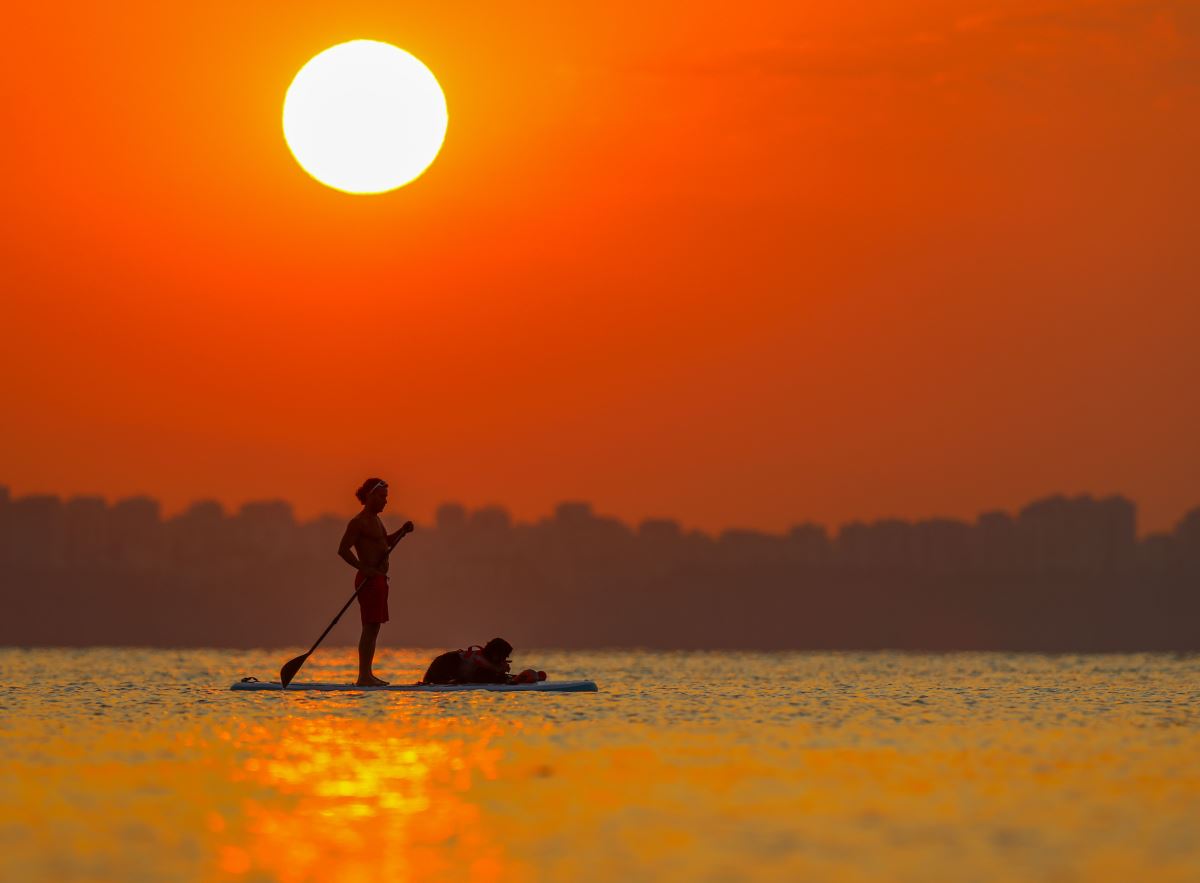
{"x": 364, "y": 117}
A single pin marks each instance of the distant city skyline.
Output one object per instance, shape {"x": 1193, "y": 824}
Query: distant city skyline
{"x": 424, "y": 507}
{"x": 1060, "y": 574}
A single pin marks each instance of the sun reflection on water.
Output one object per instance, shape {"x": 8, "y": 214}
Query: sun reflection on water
{"x": 365, "y": 800}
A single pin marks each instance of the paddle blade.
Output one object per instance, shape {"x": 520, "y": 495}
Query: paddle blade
{"x": 290, "y": 668}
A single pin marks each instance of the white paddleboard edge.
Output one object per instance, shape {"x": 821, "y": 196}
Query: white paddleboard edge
{"x": 540, "y": 687}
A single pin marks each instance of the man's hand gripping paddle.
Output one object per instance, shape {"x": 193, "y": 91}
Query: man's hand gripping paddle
{"x": 293, "y": 665}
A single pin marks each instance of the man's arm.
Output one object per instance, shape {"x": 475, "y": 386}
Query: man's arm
{"x": 394, "y": 538}
{"x": 346, "y": 548}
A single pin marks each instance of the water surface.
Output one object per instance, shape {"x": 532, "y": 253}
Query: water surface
{"x": 128, "y": 765}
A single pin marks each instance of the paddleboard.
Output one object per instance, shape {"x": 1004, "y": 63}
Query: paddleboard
{"x": 540, "y": 687}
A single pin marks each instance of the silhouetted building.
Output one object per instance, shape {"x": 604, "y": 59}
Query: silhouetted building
{"x": 1187, "y": 538}
{"x": 750, "y": 548}
{"x": 881, "y": 545}
{"x": 137, "y": 532}
{"x": 941, "y": 545}
{"x": 809, "y": 545}
{"x": 491, "y": 520}
{"x": 88, "y": 539}
{"x": 450, "y": 517}
{"x": 660, "y": 532}
{"x": 996, "y": 543}
{"x": 200, "y": 536}
{"x": 6, "y": 523}
{"x": 37, "y": 530}
{"x": 267, "y": 526}
{"x": 1080, "y": 534}
{"x": 577, "y": 515}
{"x": 1157, "y": 553}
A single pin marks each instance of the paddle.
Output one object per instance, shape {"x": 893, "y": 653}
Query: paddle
{"x": 293, "y": 665}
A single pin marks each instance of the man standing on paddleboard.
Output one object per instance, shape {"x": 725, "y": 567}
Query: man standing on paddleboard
{"x": 366, "y": 536}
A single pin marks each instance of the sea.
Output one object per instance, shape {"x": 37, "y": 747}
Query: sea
{"x": 132, "y": 765}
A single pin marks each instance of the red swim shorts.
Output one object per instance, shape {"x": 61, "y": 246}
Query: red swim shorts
{"x": 372, "y": 597}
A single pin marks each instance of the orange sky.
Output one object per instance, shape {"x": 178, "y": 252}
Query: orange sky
{"x": 744, "y": 266}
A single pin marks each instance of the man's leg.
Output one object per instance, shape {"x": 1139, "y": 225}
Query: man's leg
{"x": 366, "y": 653}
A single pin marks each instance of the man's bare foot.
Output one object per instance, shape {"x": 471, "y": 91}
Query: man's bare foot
{"x": 370, "y": 681}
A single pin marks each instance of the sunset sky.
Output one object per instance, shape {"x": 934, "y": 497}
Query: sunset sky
{"x": 744, "y": 264}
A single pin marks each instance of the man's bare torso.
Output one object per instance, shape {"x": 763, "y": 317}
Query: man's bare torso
{"x": 370, "y": 542}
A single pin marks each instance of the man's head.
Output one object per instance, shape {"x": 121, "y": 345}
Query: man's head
{"x": 373, "y": 494}
{"x": 497, "y": 651}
